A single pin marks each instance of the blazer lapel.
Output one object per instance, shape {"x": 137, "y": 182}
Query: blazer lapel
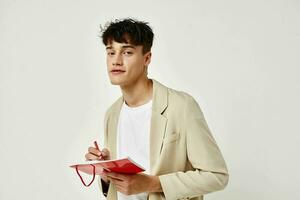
{"x": 113, "y": 124}
{"x": 158, "y": 122}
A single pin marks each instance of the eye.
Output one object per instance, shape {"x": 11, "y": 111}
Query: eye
{"x": 110, "y": 53}
{"x": 128, "y": 52}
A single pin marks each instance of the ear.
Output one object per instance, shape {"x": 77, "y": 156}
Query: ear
{"x": 147, "y": 57}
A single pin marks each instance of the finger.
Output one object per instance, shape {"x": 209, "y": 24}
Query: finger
{"x": 102, "y": 174}
{"x": 105, "y": 155}
{"x": 90, "y": 156}
{"x": 116, "y": 176}
{"x": 116, "y": 182}
{"x": 94, "y": 151}
{"x": 105, "y": 152}
{"x": 119, "y": 189}
{"x": 123, "y": 189}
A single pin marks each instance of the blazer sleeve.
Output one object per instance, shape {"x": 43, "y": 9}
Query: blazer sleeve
{"x": 210, "y": 172}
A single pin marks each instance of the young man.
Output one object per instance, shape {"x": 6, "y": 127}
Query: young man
{"x": 162, "y": 129}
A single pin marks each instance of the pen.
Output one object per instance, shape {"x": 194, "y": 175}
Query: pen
{"x": 97, "y": 147}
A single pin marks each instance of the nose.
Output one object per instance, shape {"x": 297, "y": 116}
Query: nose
{"x": 117, "y": 60}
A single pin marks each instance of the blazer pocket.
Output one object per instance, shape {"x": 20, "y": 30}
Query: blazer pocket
{"x": 171, "y": 138}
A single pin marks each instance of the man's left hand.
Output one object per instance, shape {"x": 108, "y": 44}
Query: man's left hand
{"x": 135, "y": 183}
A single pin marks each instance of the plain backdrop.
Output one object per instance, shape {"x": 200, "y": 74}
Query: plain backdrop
{"x": 239, "y": 59}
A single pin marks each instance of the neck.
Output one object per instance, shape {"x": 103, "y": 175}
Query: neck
{"x": 138, "y": 93}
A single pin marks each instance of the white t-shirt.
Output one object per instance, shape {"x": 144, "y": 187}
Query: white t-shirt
{"x": 133, "y": 139}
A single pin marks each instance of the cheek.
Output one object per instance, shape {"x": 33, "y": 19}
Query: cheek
{"x": 108, "y": 61}
{"x": 133, "y": 63}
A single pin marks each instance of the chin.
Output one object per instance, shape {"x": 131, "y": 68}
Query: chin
{"x": 113, "y": 82}
{"x": 116, "y": 82}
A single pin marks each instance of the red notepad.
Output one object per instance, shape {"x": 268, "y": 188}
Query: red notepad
{"x": 124, "y": 165}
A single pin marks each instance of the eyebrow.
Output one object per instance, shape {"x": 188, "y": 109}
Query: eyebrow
{"x": 123, "y": 47}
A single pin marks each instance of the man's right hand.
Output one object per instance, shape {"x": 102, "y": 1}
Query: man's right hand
{"x": 95, "y": 154}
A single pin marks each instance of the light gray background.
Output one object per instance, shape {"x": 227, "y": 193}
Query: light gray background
{"x": 239, "y": 59}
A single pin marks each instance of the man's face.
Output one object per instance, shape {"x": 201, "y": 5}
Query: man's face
{"x": 126, "y": 63}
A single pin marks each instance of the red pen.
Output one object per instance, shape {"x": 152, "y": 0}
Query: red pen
{"x": 97, "y": 147}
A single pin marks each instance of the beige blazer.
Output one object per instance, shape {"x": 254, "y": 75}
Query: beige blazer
{"x": 183, "y": 152}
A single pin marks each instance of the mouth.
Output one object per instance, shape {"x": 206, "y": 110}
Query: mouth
{"x": 117, "y": 71}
